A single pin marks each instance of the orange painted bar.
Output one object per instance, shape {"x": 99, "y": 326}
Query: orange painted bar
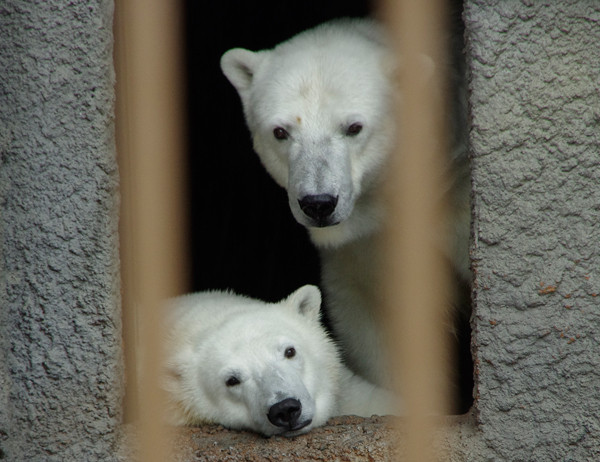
{"x": 415, "y": 274}
{"x": 150, "y": 134}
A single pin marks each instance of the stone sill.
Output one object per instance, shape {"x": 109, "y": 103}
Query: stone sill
{"x": 346, "y": 438}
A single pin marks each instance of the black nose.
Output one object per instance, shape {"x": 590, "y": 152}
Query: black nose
{"x": 319, "y": 206}
{"x": 285, "y": 413}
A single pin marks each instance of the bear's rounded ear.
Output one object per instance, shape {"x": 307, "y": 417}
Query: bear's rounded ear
{"x": 394, "y": 69}
{"x": 306, "y": 301}
{"x": 239, "y": 66}
{"x": 390, "y": 67}
{"x": 172, "y": 374}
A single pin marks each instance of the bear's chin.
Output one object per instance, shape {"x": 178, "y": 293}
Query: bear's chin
{"x": 299, "y": 429}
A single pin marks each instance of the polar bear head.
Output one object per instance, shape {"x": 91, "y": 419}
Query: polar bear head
{"x": 319, "y": 110}
{"x": 246, "y": 364}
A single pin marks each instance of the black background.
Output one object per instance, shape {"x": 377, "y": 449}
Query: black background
{"x": 243, "y": 235}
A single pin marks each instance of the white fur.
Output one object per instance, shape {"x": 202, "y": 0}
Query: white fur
{"x": 314, "y": 86}
{"x": 214, "y": 336}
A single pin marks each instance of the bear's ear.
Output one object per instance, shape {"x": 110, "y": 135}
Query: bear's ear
{"x": 390, "y": 67}
{"x": 172, "y": 374}
{"x": 239, "y": 66}
{"x": 306, "y": 301}
{"x": 394, "y": 69}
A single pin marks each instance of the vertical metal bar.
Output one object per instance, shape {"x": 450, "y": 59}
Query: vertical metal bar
{"x": 150, "y": 147}
{"x": 416, "y": 276}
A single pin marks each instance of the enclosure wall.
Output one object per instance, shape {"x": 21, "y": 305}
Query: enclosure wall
{"x": 60, "y": 320}
{"x": 535, "y": 138}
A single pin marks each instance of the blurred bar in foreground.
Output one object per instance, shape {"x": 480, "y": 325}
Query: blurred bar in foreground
{"x": 150, "y": 134}
{"x": 415, "y": 271}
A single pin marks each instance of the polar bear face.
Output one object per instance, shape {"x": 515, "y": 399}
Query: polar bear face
{"x": 268, "y": 368}
{"x": 261, "y": 379}
{"x": 319, "y": 109}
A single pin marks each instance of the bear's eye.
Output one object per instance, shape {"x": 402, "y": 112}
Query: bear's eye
{"x": 290, "y": 352}
{"x": 232, "y": 381}
{"x": 280, "y": 133}
{"x": 354, "y": 129}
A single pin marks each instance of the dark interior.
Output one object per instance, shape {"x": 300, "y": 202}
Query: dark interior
{"x": 243, "y": 236}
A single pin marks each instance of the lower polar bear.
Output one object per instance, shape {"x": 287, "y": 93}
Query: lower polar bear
{"x": 265, "y": 367}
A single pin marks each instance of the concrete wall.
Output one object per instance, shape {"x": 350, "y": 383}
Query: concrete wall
{"x": 535, "y": 104}
{"x": 60, "y": 335}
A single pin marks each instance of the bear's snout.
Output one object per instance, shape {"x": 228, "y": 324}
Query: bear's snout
{"x": 318, "y": 207}
{"x": 286, "y": 414}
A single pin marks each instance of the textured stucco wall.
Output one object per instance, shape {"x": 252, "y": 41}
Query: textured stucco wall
{"x": 60, "y": 337}
{"x": 535, "y": 102}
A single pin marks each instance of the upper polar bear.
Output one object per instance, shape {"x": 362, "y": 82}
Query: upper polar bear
{"x": 270, "y": 368}
{"x": 320, "y": 110}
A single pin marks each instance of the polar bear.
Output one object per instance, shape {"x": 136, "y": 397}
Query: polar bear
{"x": 320, "y": 110}
{"x": 264, "y": 367}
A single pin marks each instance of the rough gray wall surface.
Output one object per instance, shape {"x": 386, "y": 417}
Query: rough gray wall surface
{"x": 535, "y": 137}
{"x": 60, "y": 358}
